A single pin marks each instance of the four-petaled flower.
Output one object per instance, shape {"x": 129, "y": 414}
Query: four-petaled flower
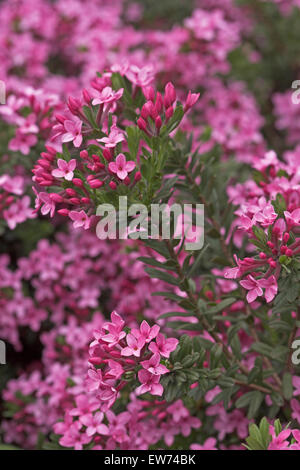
{"x": 65, "y": 169}
{"x": 80, "y": 219}
{"x": 153, "y": 365}
{"x": 163, "y": 346}
{"x": 150, "y": 383}
{"x": 121, "y": 167}
{"x": 73, "y": 132}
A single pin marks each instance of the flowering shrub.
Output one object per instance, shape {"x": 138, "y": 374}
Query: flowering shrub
{"x": 139, "y": 342}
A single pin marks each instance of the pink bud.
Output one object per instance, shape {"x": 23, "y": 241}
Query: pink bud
{"x": 95, "y": 184}
{"x": 50, "y": 149}
{"x": 64, "y": 212}
{"x": 145, "y": 111}
{"x": 112, "y": 185}
{"x": 149, "y": 93}
{"x": 44, "y": 163}
{"x": 158, "y": 102}
{"x": 169, "y": 113}
{"x": 289, "y": 253}
{"x": 45, "y": 183}
{"x": 71, "y": 192}
{"x": 73, "y": 105}
{"x": 158, "y": 123}
{"x": 262, "y": 255}
{"x": 77, "y": 182}
{"x": 126, "y": 181}
{"x": 137, "y": 176}
{"x": 95, "y": 360}
{"x": 85, "y": 200}
{"x": 86, "y": 96}
{"x": 170, "y": 95}
{"x": 47, "y": 156}
{"x": 56, "y": 197}
{"x": 75, "y": 201}
{"x": 142, "y": 124}
{"x": 60, "y": 118}
{"x": 84, "y": 154}
{"x": 286, "y": 237}
{"x": 107, "y": 155}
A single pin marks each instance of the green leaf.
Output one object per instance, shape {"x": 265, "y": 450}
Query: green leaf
{"x": 156, "y": 274}
{"x": 221, "y": 306}
{"x": 287, "y": 386}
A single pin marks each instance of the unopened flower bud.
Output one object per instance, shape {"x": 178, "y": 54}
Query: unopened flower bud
{"x": 95, "y": 184}
{"x": 84, "y": 154}
{"x": 158, "y": 123}
{"x": 77, "y": 182}
{"x": 64, "y": 212}
{"x": 142, "y": 124}
{"x": 137, "y": 176}
{"x": 56, "y": 198}
{"x": 170, "y": 95}
{"x": 112, "y": 185}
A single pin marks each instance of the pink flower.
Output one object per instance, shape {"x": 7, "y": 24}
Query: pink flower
{"x": 114, "y": 138}
{"x": 140, "y": 76}
{"x": 280, "y": 442}
{"x": 94, "y": 424}
{"x": 134, "y": 346}
{"x": 209, "y": 444}
{"x": 295, "y": 405}
{"x": 296, "y": 436}
{"x": 266, "y": 217}
{"x": 80, "y": 219}
{"x": 234, "y": 273}
{"x": 271, "y": 287}
{"x": 153, "y": 365}
{"x": 149, "y": 383}
{"x": 94, "y": 380}
{"x": 83, "y": 406}
{"x": 121, "y": 167}
{"x": 108, "y": 95}
{"x": 147, "y": 333}
{"x": 73, "y": 133}
{"x": 115, "y": 369}
{"x": 293, "y": 219}
{"x": 65, "y": 169}
{"x": 74, "y": 438}
{"x": 12, "y": 184}
{"x": 48, "y": 204}
{"x": 296, "y": 385}
{"x": 22, "y": 142}
{"x": 163, "y": 346}
{"x": 253, "y": 286}
{"x": 115, "y": 330}
{"x": 18, "y": 212}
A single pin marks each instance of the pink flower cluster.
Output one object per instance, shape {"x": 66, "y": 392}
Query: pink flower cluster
{"x": 117, "y": 356}
{"x": 273, "y": 226}
{"x": 100, "y": 164}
